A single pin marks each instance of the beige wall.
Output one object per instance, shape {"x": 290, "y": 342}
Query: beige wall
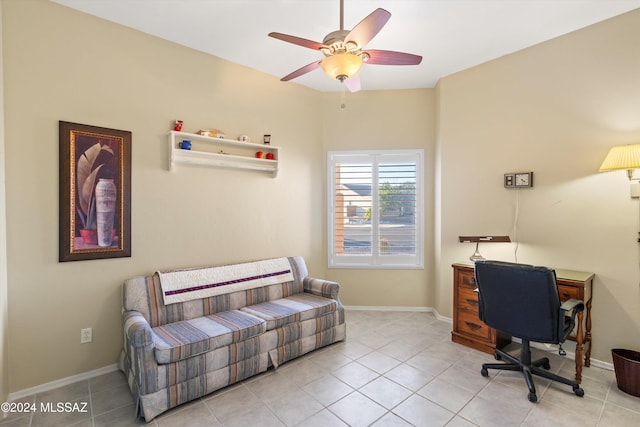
{"x": 554, "y": 109}
{"x": 60, "y": 64}
{"x": 4, "y": 380}
{"x": 384, "y": 120}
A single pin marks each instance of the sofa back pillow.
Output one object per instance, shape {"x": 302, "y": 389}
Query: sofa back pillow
{"x": 144, "y": 294}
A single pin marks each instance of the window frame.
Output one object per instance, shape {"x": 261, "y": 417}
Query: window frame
{"x": 375, "y": 260}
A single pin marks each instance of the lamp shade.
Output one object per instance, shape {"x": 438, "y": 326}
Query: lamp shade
{"x": 622, "y": 157}
{"x": 341, "y": 66}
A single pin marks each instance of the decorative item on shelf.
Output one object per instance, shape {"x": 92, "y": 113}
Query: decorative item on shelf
{"x": 185, "y": 145}
{"x": 259, "y": 155}
{"x": 266, "y": 139}
{"x": 270, "y": 156}
{"x": 214, "y": 133}
{"x": 485, "y": 239}
{"x": 244, "y": 138}
{"x": 178, "y": 126}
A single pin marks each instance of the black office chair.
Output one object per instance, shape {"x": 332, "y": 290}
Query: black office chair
{"x": 522, "y": 300}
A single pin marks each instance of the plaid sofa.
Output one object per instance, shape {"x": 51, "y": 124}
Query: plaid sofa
{"x": 175, "y": 353}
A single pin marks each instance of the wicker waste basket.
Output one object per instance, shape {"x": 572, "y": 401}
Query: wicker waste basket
{"x": 626, "y": 364}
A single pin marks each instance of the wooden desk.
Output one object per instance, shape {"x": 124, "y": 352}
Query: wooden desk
{"x": 469, "y": 330}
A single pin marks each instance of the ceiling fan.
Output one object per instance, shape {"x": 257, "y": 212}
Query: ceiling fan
{"x": 344, "y": 50}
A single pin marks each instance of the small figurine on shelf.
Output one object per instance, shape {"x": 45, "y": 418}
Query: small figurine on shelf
{"x": 266, "y": 139}
{"x": 178, "y": 126}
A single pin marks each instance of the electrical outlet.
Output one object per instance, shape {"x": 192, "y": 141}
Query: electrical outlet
{"x": 85, "y": 335}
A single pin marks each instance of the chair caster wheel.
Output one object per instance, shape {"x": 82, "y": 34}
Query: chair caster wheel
{"x": 578, "y": 391}
{"x": 546, "y": 366}
{"x": 497, "y": 356}
{"x": 533, "y": 398}
{"x": 484, "y": 372}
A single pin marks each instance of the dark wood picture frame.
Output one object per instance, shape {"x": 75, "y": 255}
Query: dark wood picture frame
{"x": 95, "y": 192}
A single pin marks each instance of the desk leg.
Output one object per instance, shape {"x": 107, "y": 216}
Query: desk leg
{"x": 587, "y": 355}
{"x": 579, "y": 347}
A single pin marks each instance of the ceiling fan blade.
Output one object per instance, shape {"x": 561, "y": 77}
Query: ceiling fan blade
{"x": 297, "y": 40}
{"x": 300, "y": 71}
{"x": 353, "y": 83}
{"x": 368, "y": 27}
{"x": 389, "y": 57}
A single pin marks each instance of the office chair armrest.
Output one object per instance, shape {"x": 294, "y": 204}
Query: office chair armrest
{"x": 571, "y": 307}
{"x": 568, "y": 311}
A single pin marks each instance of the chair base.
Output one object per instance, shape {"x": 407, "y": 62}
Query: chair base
{"x": 529, "y": 368}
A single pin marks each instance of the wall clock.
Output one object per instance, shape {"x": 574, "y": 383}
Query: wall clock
{"x": 524, "y": 180}
{"x": 518, "y": 180}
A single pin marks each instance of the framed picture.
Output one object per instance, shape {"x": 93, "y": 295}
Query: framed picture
{"x": 95, "y": 192}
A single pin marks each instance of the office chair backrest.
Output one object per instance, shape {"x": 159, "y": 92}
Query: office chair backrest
{"x": 519, "y": 299}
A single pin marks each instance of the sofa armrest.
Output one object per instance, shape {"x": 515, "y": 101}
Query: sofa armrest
{"x": 139, "y": 346}
{"x": 137, "y": 330}
{"x": 320, "y": 287}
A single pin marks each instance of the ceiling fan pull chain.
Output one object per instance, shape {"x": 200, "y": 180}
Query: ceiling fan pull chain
{"x": 343, "y": 104}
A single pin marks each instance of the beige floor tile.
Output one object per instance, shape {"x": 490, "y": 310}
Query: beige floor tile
{"x": 447, "y": 394}
{"x": 323, "y": 418}
{"x": 379, "y": 362}
{"x": 548, "y": 414}
{"x": 391, "y": 420}
{"x": 294, "y": 407}
{"x": 357, "y": 410}
{"x": 355, "y": 374}
{"x": 409, "y": 377}
{"x": 385, "y": 392}
{"x": 327, "y": 390}
{"x": 614, "y": 415}
{"x": 195, "y": 415}
{"x": 422, "y": 412}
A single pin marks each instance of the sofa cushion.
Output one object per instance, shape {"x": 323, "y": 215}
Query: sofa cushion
{"x": 295, "y": 308}
{"x": 179, "y": 340}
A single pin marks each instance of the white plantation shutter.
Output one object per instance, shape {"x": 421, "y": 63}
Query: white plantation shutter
{"x": 375, "y": 213}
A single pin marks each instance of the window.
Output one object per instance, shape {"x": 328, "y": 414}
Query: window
{"x": 376, "y": 209}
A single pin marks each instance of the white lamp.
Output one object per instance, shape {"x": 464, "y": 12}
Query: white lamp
{"x": 622, "y": 157}
{"x": 341, "y": 66}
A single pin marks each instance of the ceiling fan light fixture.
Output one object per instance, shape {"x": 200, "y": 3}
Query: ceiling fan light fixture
{"x": 341, "y": 66}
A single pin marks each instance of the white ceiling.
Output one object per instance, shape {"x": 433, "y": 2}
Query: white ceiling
{"x": 451, "y": 35}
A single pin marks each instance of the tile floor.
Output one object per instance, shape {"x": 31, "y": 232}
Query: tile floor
{"x": 395, "y": 369}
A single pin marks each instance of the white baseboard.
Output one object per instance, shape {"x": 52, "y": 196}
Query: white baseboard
{"x": 400, "y": 308}
{"x": 387, "y": 308}
{"x": 61, "y": 382}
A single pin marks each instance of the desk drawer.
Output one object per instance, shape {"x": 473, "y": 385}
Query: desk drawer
{"x": 468, "y": 323}
{"x": 568, "y": 292}
{"x": 466, "y": 280}
{"x": 468, "y": 300}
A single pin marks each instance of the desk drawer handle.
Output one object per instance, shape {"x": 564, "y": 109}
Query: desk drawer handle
{"x": 472, "y": 280}
{"x": 473, "y": 302}
{"x": 473, "y": 326}
{"x": 566, "y": 294}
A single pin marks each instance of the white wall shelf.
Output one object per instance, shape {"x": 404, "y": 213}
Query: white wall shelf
{"x": 224, "y": 153}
